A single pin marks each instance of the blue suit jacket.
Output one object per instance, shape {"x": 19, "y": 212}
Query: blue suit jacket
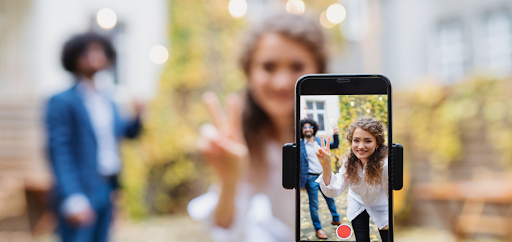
{"x": 304, "y": 163}
{"x": 72, "y": 148}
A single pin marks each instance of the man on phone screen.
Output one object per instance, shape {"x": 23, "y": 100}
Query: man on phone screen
{"x": 310, "y": 170}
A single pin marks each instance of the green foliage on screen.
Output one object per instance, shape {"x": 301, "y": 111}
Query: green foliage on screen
{"x": 353, "y": 107}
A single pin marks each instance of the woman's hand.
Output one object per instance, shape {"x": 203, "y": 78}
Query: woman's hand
{"x": 222, "y": 146}
{"x": 324, "y": 153}
{"x": 324, "y": 156}
{"x": 222, "y": 143}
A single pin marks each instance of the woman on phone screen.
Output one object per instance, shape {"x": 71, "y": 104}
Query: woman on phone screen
{"x": 364, "y": 173}
{"x": 248, "y": 202}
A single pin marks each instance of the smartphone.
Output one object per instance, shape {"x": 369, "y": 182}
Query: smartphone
{"x": 354, "y": 113}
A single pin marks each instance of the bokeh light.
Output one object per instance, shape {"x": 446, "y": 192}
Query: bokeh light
{"x": 336, "y": 13}
{"x": 325, "y": 22}
{"x": 237, "y": 8}
{"x": 158, "y": 54}
{"x": 295, "y": 7}
{"x": 106, "y": 18}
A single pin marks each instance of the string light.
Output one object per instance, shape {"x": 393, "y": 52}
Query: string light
{"x": 237, "y": 8}
{"x": 295, "y": 7}
{"x": 325, "y": 22}
{"x": 106, "y": 18}
{"x": 336, "y": 13}
{"x": 158, "y": 54}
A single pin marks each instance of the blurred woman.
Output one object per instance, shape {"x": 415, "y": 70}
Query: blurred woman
{"x": 364, "y": 173}
{"x": 244, "y": 148}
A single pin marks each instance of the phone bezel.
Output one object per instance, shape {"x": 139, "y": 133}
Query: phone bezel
{"x": 341, "y": 84}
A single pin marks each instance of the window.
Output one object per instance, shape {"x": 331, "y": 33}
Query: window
{"x": 316, "y": 111}
{"x": 498, "y": 42}
{"x": 452, "y": 57}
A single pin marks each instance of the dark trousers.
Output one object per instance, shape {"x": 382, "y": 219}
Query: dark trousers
{"x": 361, "y": 225}
{"x": 312, "y": 188}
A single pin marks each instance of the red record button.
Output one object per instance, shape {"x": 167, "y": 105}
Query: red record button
{"x": 344, "y": 231}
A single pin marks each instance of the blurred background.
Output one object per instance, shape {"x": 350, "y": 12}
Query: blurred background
{"x": 450, "y": 63}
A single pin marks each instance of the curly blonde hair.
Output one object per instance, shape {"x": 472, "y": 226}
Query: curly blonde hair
{"x": 374, "y": 166}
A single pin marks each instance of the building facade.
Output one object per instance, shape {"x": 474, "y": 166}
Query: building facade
{"x": 32, "y": 34}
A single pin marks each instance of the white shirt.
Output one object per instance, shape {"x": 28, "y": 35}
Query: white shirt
{"x": 314, "y": 165}
{"x": 101, "y": 115}
{"x": 360, "y": 197}
{"x": 267, "y": 216}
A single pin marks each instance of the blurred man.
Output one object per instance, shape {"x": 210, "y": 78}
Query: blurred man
{"x": 84, "y": 129}
{"x": 310, "y": 170}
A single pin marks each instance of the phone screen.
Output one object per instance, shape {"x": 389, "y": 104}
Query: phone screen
{"x": 354, "y": 206}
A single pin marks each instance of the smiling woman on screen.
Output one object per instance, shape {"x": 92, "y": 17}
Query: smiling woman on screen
{"x": 364, "y": 173}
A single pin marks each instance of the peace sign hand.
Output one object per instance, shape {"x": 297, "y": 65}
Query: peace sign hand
{"x": 222, "y": 143}
{"x": 324, "y": 153}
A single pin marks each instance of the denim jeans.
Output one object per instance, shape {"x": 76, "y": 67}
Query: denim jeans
{"x": 312, "y": 188}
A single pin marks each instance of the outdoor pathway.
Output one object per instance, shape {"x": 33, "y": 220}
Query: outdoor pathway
{"x": 172, "y": 228}
{"x": 308, "y": 232}
{"x": 177, "y": 228}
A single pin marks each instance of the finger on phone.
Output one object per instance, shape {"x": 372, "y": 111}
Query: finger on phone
{"x": 214, "y": 109}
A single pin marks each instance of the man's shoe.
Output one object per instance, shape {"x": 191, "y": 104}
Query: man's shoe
{"x": 320, "y": 234}
{"x": 338, "y": 223}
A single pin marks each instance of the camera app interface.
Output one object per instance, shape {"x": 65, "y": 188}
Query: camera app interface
{"x": 344, "y": 168}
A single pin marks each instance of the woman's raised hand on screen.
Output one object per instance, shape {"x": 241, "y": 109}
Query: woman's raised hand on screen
{"x": 324, "y": 152}
{"x": 222, "y": 142}
{"x": 324, "y": 156}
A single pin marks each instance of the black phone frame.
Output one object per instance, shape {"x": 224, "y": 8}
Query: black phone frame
{"x": 341, "y": 84}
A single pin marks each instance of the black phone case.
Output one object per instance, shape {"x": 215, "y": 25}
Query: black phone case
{"x": 306, "y": 88}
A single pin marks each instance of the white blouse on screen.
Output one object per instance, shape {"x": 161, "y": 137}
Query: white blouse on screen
{"x": 360, "y": 197}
